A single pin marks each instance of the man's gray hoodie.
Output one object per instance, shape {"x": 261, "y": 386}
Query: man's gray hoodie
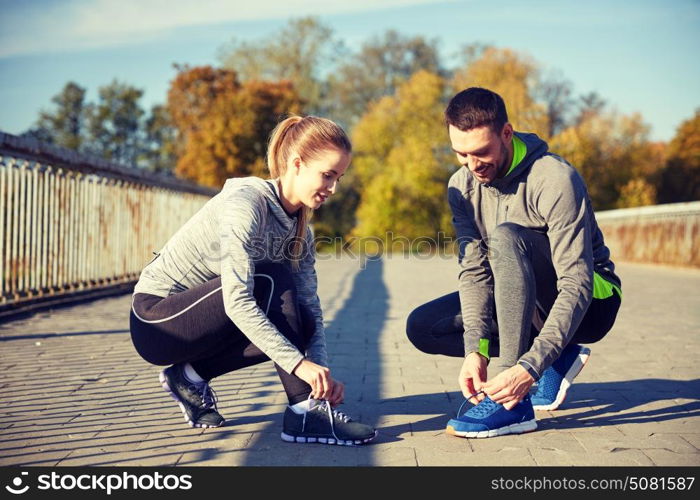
{"x": 546, "y": 194}
{"x": 245, "y": 224}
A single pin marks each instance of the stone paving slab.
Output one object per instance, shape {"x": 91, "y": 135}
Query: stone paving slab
{"x": 75, "y": 392}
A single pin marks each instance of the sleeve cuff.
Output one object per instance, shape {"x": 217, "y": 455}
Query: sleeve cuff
{"x": 530, "y": 369}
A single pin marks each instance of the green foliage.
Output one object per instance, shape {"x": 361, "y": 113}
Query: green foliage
{"x": 115, "y": 128}
{"x": 297, "y": 53}
{"x": 160, "y": 148}
{"x": 63, "y": 126}
{"x": 114, "y": 123}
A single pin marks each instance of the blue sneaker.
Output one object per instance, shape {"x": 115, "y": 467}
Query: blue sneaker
{"x": 556, "y": 380}
{"x": 490, "y": 419}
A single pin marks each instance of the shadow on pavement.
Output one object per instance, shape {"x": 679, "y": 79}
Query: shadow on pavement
{"x": 353, "y": 347}
{"x": 626, "y": 402}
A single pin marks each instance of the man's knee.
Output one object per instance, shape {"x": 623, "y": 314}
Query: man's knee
{"x": 506, "y": 235}
{"x": 506, "y": 243}
{"x": 418, "y": 330}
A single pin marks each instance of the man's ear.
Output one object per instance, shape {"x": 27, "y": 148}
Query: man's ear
{"x": 507, "y": 133}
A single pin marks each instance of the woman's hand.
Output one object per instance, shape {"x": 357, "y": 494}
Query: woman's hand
{"x": 338, "y": 393}
{"x": 319, "y": 378}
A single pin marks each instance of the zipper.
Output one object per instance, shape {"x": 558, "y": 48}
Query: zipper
{"x": 498, "y": 209}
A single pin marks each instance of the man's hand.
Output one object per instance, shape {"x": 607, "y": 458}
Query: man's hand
{"x": 472, "y": 376}
{"x": 509, "y": 387}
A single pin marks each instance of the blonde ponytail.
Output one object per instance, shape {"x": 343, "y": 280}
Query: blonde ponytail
{"x": 309, "y": 136}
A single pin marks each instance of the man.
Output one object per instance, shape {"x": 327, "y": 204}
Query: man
{"x": 533, "y": 261}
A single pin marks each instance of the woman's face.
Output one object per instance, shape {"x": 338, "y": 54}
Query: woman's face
{"x": 315, "y": 180}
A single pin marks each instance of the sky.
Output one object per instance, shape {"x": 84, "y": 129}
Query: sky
{"x": 640, "y": 56}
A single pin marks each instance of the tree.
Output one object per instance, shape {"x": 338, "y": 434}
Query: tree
{"x": 680, "y": 178}
{"x": 610, "y": 151}
{"x": 300, "y": 53}
{"x": 160, "y": 147}
{"x": 516, "y": 79}
{"x": 64, "y": 125}
{"x": 114, "y": 123}
{"x": 402, "y": 162}
{"x": 555, "y": 92}
{"x": 378, "y": 69}
{"x": 589, "y": 105}
{"x": 225, "y": 124}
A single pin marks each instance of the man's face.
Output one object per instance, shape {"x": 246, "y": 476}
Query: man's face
{"x": 482, "y": 151}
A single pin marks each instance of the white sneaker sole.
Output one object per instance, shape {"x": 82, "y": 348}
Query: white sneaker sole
{"x": 522, "y": 427}
{"x": 300, "y": 439}
{"x": 166, "y": 387}
{"x": 574, "y": 370}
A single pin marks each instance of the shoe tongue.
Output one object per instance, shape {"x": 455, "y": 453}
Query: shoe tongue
{"x": 313, "y": 403}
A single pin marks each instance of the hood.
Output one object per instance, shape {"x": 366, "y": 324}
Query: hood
{"x": 267, "y": 189}
{"x": 536, "y": 149}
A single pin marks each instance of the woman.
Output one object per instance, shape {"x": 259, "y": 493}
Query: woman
{"x": 236, "y": 286}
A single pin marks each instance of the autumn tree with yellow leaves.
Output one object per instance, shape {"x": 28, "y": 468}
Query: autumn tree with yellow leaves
{"x": 680, "y": 178}
{"x": 515, "y": 77}
{"x": 403, "y": 162}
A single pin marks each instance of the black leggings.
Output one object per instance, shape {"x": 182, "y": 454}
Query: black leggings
{"x": 436, "y": 327}
{"x": 193, "y": 327}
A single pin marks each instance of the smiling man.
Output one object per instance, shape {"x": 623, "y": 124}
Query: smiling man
{"x": 535, "y": 280}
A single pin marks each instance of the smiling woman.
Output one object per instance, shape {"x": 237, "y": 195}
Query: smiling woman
{"x": 248, "y": 291}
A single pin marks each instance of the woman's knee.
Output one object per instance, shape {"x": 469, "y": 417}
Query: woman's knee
{"x": 273, "y": 286}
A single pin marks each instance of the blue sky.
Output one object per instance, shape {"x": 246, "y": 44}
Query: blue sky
{"x": 640, "y": 56}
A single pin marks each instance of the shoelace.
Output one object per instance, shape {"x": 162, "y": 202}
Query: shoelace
{"x": 466, "y": 401}
{"x": 484, "y": 408}
{"x": 209, "y": 397}
{"x": 324, "y": 405}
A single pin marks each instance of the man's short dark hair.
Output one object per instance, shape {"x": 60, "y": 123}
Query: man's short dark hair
{"x": 476, "y": 107}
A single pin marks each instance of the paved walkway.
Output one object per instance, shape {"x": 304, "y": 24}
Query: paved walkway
{"x": 74, "y": 391}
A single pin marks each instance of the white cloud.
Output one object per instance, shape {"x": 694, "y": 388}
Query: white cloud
{"x": 83, "y": 24}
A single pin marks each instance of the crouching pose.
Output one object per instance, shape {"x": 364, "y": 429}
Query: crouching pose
{"x": 529, "y": 249}
{"x": 236, "y": 286}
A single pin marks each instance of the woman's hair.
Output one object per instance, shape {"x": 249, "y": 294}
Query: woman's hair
{"x": 309, "y": 136}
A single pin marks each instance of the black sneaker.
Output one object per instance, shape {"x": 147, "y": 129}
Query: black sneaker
{"x": 197, "y": 401}
{"x": 323, "y": 424}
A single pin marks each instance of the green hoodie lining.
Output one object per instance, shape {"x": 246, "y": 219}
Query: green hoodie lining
{"x": 519, "y": 152}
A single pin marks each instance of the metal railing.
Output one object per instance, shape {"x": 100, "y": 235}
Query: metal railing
{"x": 659, "y": 234}
{"x": 71, "y": 224}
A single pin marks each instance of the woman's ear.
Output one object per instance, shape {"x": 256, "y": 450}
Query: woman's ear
{"x": 295, "y": 163}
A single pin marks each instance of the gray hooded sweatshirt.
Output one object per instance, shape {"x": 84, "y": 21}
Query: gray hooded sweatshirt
{"x": 546, "y": 194}
{"x": 245, "y": 224}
